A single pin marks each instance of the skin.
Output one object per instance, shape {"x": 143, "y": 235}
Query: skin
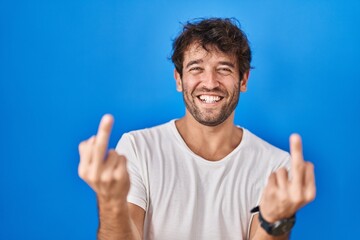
{"x": 209, "y": 131}
{"x": 222, "y": 81}
{"x": 106, "y": 173}
{"x": 215, "y": 74}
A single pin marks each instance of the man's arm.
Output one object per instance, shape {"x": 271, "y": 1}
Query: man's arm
{"x": 124, "y": 223}
{"x": 106, "y": 173}
{"x": 284, "y": 194}
{"x": 258, "y": 233}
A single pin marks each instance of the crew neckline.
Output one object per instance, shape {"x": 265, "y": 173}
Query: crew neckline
{"x": 201, "y": 159}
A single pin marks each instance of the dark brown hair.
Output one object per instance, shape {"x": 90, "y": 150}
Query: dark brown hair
{"x": 223, "y": 33}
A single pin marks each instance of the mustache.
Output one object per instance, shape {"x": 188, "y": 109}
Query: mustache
{"x": 216, "y": 90}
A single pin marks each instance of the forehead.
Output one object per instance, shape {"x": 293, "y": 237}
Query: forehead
{"x": 195, "y": 51}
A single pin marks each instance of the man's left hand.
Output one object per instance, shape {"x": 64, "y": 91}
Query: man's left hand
{"x": 285, "y": 193}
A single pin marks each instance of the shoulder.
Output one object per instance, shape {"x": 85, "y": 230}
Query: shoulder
{"x": 254, "y": 142}
{"x": 259, "y": 147}
{"x": 156, "y": 131}
{"x": 147, "y": 136}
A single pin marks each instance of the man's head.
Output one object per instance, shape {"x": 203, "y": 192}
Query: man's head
{"x": 224, "y": 34}
{"x": 212, "y": 61}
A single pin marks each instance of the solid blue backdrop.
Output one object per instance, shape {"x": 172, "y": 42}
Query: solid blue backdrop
{"x": 63, "y": 64}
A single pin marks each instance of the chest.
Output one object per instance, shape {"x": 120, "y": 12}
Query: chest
{"x": 184, "y": 182}
{"x": 191, "y": 195}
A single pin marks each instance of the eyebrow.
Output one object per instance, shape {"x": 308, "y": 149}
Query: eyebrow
{"x": 201, "y": 61}
{"x": 227, "y": 64}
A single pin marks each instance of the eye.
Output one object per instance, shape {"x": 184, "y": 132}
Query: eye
{"x": 225, "y": 70}
{"x": 195, "y": 69}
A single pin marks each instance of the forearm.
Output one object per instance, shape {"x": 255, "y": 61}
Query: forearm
{"x": 262, "y": 235}
{"x": 115, "y": 222}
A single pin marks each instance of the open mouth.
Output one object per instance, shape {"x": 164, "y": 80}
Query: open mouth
{"x": 209, "y": 98}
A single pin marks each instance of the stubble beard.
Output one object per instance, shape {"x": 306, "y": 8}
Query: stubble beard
{"x": 208, "y": 117}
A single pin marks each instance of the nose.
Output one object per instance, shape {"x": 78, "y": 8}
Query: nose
{"x": 210, "y": 80}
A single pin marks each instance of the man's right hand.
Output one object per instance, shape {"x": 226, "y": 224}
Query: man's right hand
{"x": 104, "y": 171}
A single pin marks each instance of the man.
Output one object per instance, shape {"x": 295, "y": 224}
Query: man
{"x": 201, "y": 176}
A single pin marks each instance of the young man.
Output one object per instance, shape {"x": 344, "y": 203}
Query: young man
{"x": 201, "y": 176}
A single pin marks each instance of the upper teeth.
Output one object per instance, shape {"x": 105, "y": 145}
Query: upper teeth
{"x": 209, "y": 99}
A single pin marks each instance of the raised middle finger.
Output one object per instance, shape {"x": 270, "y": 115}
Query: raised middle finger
{"x": 102, "y": 139}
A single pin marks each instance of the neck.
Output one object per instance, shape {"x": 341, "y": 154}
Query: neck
{"x": 212, "y": 143}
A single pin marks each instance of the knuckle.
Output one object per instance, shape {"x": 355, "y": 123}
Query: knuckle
{"x": 297, "y": 198}
{"x": 310, "y": 195}
{"x": 92, "y": 178}
{"x": 283, "y": 197}
{"x": 271, "y": 179}
{"x": 298, "y": 167}
{"x": 105, "y": 178}
{"x": 118, "y": 175}
{"x": 112, "y": 153}
{"x": 271, "y": 191}
{"x": 310, "y": 166}
{"x": 82, "y": 172}
{"x": 83, "y": 158}
{"x": 121, "y": 175}
{"x": 81, "y": 146}
{"x": 282, "y": 170}
{"x": 100, "y": 145}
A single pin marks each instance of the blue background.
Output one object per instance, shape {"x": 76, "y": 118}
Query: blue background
{"x": 63, "y": 64}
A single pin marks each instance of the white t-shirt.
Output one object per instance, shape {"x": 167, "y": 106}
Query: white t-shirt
{"x": 188, "y": 197}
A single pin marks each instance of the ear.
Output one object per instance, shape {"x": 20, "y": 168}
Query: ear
{"x": 178, "y": 81}
{"x": 244, "y": 81}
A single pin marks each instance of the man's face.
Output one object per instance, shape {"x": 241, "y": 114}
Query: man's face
{"x": 210, "y": 84}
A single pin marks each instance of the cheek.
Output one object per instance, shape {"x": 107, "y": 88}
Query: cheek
{"x": 233, "y": 87}
{"x": 189, "y": 85}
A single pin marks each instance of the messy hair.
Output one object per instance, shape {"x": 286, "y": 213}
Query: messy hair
{"x": 223, "y": 33}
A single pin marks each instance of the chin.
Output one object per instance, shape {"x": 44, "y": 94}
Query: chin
{"x": 212, "y": 122}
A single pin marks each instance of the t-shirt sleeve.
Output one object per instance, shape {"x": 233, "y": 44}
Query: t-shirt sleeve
{"x": 285, "y": 161}
{"x": 282, "y": 159}
{"x": 137, "y": 193}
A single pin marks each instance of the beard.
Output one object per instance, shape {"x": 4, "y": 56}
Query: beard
{"x": 212, "y": 116}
